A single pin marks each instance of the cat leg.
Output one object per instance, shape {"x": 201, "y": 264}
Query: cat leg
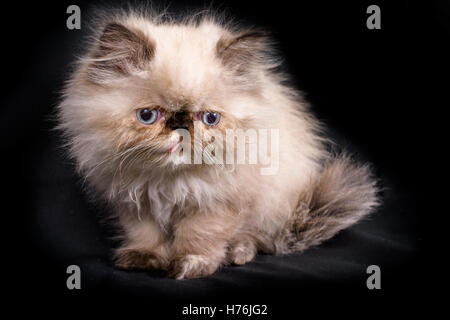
{"x": 145, "y": 247}
{"x": 200, "y": 244}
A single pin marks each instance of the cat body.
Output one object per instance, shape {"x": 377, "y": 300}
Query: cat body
{"x": 146, "y": 77}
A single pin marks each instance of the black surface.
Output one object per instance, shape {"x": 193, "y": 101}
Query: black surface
{"x": 367, "y": 86}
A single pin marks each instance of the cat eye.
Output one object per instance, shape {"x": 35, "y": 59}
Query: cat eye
{"x": 147, "y": 116}
{"x": 210, "y": 118}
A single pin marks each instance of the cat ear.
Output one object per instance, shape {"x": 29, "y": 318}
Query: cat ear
{"x": 118, "y": 52}
{"x": 242, "y": 51}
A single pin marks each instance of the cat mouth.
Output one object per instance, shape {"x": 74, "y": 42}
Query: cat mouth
{"x": 174, "y": 147}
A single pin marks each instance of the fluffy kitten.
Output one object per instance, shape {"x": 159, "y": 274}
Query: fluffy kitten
{"x": 146, "y": 76}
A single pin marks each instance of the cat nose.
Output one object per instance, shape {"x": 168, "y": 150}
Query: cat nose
{"x": 179, "y": 120}
{"x": 175, "y": 127}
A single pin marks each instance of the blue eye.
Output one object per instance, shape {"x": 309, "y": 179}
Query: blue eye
{"x": 147, "y": 116}
{"x": 210, "y": 118}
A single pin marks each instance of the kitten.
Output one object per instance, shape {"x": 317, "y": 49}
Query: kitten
{"x": 147, "y": 80}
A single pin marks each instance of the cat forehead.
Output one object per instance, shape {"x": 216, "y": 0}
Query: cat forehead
{"x": 185, "y": 50}
{"x": 196, "y": 38}
{"x": 185, "y": 67}
{"x": 195, "y": 61}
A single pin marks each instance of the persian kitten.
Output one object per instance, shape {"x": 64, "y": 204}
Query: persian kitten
{"x": 146, "y": 89}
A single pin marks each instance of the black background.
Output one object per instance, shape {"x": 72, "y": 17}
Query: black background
{"x": 370, "y": 87}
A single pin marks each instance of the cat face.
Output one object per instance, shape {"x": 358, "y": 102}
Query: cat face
{"x": 144, "y": 86}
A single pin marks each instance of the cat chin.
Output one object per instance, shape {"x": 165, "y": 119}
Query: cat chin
{"x": 176, "y": 160}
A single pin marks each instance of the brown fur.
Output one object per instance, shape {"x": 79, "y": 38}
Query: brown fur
{"x": 339, "y": 197}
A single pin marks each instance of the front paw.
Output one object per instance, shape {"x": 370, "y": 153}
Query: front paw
{"x": 242, "y": 252}
{"x": 133, "y": 259}
{"x": 193, "y": 266}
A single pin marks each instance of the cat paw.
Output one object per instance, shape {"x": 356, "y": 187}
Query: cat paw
{"x": 131, "y": 259}
{"x": 193, "y": 266}
{"x": 242, "y": 253}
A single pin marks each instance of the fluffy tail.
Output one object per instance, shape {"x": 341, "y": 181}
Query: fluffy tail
{"x": 340, "y": 196}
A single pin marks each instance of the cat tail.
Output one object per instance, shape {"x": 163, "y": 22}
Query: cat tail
{"x": 342, "y": 194}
